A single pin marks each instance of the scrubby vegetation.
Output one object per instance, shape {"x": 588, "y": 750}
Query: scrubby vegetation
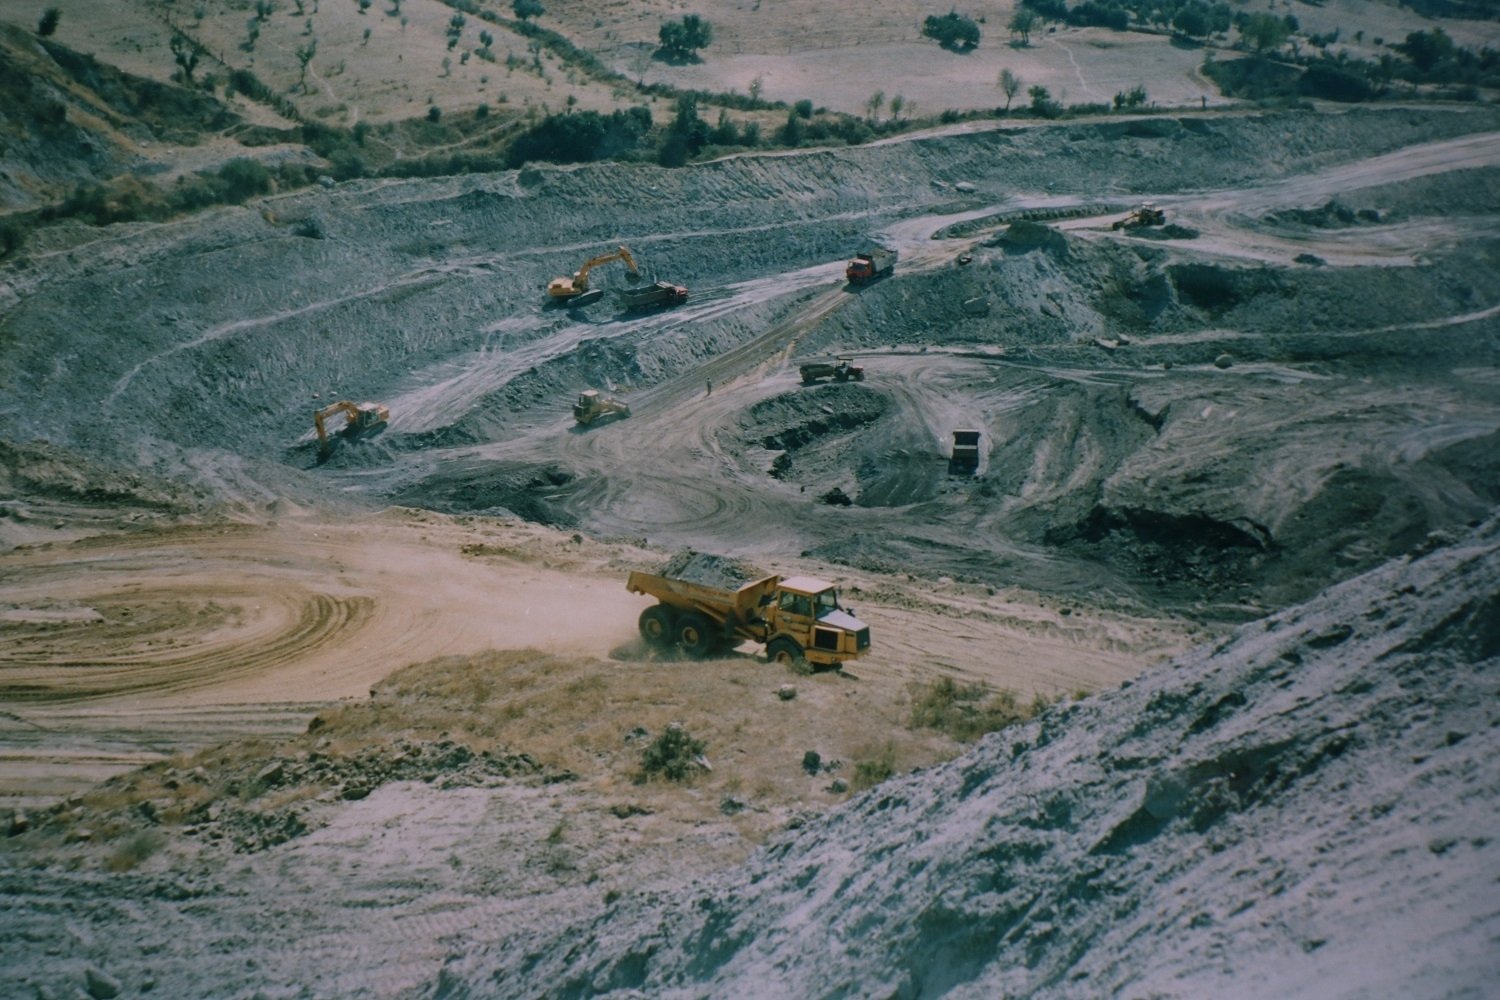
{"x": 673, "y": 755}
{"x": 873, "y": 770}
{"x": 581, "y": 136}
{"x": 1279, "y": 66}
{"x": 967, "y": 712}
{"x": 1286, "y": 65}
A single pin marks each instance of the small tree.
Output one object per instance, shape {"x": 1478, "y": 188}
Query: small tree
{"x": 47, "y": 24}
{"x": 640, "y": 61}
{"x": 1042, "y": 104}
{"x": 681, "y": 40}
{"x": 1132, "y": 98}
{"x": 526, "y": 9}
{"x": 897, "y": 103}
{"x": 1265, "y": 32}
{"x": 794, "y": 131}
{"x": 724, "y": 132}
{"x": 1426, "y": 49}
{"x": 186, "y": 55}
{"x": 304, "y": 56}
{"x": 1220, "y": 18}
{"x": 1010, "y": 85}
{"x": 756, "y": 86}
{"x": 1021, "y": 23}
{"x": 874, "y": 104}
{"x": 1191, "y": 20}
{"x": 952, "y": 31}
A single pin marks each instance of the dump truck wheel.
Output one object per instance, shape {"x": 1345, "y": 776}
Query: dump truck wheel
{"x": 695, "y": 634}
{"x": 656, "y": 625}
{"x": 784, "y": 651}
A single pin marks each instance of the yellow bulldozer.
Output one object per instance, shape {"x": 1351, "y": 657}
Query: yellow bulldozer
{"x": 575, "y": 291}
{"x": 592, "y": 406}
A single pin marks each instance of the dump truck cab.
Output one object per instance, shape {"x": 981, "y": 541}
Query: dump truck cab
{"x": 806, "y": 612}
{"x": 866, "y": 267}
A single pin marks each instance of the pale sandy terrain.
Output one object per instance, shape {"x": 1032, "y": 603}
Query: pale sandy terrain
{"x": 240, "y": 621}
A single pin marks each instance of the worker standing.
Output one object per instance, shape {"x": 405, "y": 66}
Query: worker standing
{"x": 708, "y": 387}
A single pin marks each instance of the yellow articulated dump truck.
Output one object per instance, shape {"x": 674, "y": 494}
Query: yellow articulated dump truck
{"x": 797, "y": 617}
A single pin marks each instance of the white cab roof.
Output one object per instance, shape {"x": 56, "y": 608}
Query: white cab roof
{"x": 806, "y": 584}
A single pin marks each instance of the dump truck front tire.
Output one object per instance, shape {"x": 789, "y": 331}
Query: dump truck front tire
{"x": 656, "y": 625}
{"x": 784, "y": 651}
{"x": 695, "y": 634}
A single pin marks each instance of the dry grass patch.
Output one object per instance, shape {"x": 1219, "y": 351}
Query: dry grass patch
{"x": 661, "y": 745}
{"x": 967, "y": 712}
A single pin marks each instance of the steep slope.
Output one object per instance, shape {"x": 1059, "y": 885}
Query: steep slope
{"x": 67, "y": 119}
{"x": 1306, "y": 809}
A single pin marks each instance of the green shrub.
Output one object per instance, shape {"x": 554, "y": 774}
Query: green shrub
{"x": 243, "y": 179}
{"x": 952, "y": 31}
{"x": 581, "y": 137}
{"x": 12, "y": 235}
{"x": 673, "y": 755}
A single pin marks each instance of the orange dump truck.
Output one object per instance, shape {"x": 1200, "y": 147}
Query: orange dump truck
{"x": 872, "y": 264}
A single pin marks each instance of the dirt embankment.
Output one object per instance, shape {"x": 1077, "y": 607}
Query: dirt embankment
{"x": 1219, "y": 826}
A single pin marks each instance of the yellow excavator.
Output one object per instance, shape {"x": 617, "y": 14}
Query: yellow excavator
{"x": 575, "y": 291}
{"x": 359, "y": 418}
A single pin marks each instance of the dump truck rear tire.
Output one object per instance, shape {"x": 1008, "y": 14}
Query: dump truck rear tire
{"x": 656, "y": 625}
{"x": 695, "y": 634}
{"x": 784, "y": 651}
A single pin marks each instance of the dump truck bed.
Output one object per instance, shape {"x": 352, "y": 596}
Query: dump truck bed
{"x": 654, "y": 294}
{"x": 717, "y": 602}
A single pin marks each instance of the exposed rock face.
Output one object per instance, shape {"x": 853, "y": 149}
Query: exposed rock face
{"x": 1307, "y": 809}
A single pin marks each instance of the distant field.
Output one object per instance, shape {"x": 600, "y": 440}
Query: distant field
{"x": 836, "y": 54}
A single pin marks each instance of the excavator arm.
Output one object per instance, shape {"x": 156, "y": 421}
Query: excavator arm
{"x": 566, "y": 288}
{"x": 357, "y": 417}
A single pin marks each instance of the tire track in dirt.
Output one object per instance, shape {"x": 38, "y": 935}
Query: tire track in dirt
{"x": 204, "y": 634}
